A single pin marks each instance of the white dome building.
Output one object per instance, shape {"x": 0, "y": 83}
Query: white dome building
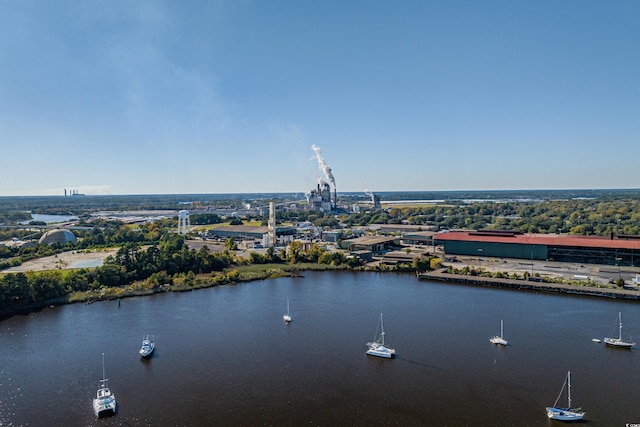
{"x": 57, "y": 236}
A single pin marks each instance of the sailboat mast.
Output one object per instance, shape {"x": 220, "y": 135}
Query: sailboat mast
{"x": 569, "y": 388}
{"x": 501, "y": 331}
{"x": 620, "y": 322}
{"x": 381, "y": 329}
{"x": 103, "y": 376}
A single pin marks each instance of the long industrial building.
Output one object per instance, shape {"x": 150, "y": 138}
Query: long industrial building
{"x": 613, "y": 250}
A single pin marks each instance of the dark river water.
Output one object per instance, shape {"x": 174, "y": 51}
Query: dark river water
{"x": 225, "y": 358}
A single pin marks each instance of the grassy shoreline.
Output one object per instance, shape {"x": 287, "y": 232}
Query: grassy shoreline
{"x": 232, "y": 275}
{"x": 254, "y": 272}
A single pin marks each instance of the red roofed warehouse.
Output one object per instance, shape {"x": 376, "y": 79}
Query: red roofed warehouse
{"x": 614, "y": 250}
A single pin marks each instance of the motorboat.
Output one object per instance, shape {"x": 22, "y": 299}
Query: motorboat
{"x": 147, "y": 348}
{"x": 104, "y": 403}
{"x": 377, "y": 347}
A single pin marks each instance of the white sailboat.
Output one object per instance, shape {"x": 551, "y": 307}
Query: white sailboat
{"x": 287, "y": 317}
{"x": 498, "y": 338}
{"x": 565, "y": 414}
{"x": 105, "y": 401}
{"x": 377, "y": 347}
{"x": 619, "y": 342}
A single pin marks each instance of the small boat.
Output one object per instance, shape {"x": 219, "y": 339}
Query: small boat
{"x": 595, "y": 340}
{"x": 105, "y": 402}
{"x": 147, "y": 348}
{"x": 565, "y": 414}
{"x": 619, "y": 342}
{"x": 287, "y": 316}
{"x": 377, "y": 347}
{"x": 498, "y": 338}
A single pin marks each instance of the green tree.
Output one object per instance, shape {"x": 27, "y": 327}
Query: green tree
{"x": 231, "y": 244}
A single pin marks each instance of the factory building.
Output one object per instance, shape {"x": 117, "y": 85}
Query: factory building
{"x": 613, "y": 250}
{"x": 319, "y": 199}
{"x": 247, "y": 232}
{"x": 373, "y": 244}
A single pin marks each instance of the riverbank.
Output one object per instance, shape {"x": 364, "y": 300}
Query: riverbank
{"x": 235, "y": 275}
{"x": 530, "y": 285}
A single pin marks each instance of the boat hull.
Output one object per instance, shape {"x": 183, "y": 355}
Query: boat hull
{"x": 498, "y": 340}
{"x": 104, "y": 407}
{"x": 615, "y": 342}
{"x": 146, "y": 354}
{"x": 561, "y": 414}
{"x": 381, "y": 351}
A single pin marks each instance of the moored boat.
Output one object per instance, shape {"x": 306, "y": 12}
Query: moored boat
{"x": 619, "y": 342}
{"x": 148, "y": 347}
{"x": 377, "y": 347}
{"x": 565, "y": 414}
{"x": 104, "y": 403}
{"x": 287, "y": 316}
{"x": 498, "y": 338}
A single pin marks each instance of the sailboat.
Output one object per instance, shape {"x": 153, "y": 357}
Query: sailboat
{"x": 565, "y": 414}
{"x": 377, "y": 347}
{"x": 287, "y": 317}
{"x": 498, "y": 338}
{"x": 105, "y": 401}
{"x": 619, "y": 342}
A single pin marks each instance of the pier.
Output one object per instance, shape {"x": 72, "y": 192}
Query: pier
{"x": 530, "y": 285}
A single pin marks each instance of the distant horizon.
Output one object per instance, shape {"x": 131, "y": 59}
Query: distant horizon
{"x": 623, "y": 189}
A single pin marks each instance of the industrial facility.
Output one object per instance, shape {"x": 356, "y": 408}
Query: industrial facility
{"x": 319, "y": 199}
{"x": 612, "y": 250}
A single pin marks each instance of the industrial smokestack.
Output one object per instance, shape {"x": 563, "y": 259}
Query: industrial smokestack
{"x": 323, "y": 166}
{"x": 370, "y": 194}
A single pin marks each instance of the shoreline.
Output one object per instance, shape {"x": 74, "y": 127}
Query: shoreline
{"x": 438, "y": 275}
{"x": 530, "y": 285}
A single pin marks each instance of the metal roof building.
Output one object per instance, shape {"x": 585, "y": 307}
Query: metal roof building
{"x": 614, "y": 250}
{"x": 375, "y": 244}
{"x": 245, "y": 231}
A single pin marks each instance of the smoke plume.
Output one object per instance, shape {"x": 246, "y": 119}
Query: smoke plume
{"x": 323, "y": 166}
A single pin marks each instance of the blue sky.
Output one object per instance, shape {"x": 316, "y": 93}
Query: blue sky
{"x": 221, "y": 96}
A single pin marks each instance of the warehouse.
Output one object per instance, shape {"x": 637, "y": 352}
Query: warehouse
{"x": 247, "y": 232}
{"x": 613, "y": 250}
{"x": 373, "y": 244}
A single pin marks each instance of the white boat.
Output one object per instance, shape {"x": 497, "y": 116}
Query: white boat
{"x": 377, "y": 347}
{"x": 147, "y": 348}
{"x": 498, "y": 338}
{"x": 595, "y": 340}
{"x": 105, "y": 401}
{"x": 565, "y": 414}
{"x": 619, "y": 342}
{"x": 287, "y": 316}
